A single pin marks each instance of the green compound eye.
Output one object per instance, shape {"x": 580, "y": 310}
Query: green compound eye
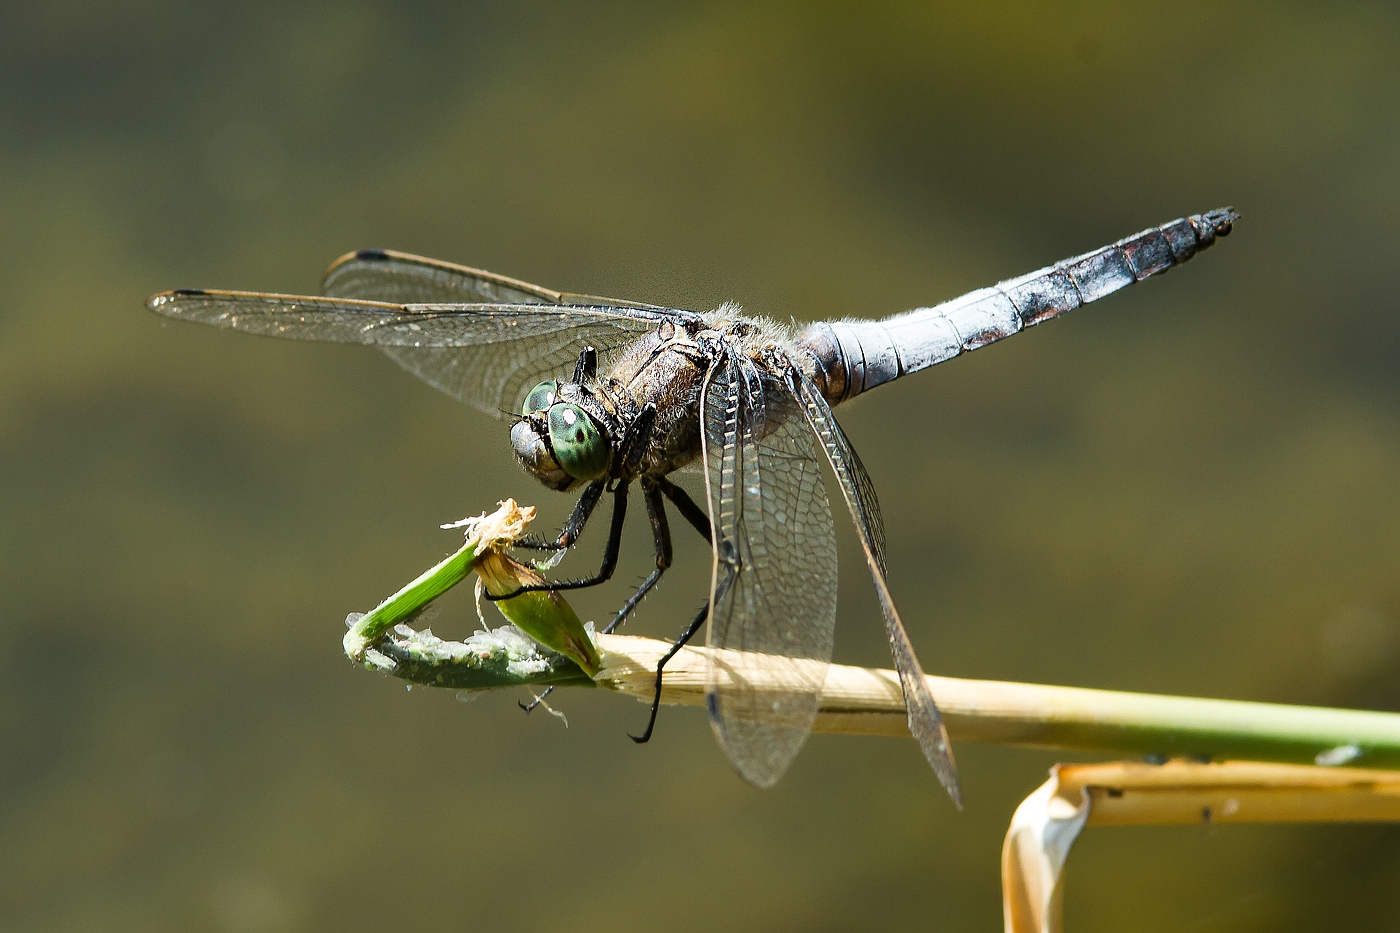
{"x": 541, "y": 397}
{"x": 578, "y": 445}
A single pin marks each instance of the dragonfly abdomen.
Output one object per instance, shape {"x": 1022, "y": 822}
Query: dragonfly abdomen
{"x": 853, "y": 356}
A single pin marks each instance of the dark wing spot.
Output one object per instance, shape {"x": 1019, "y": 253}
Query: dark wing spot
{"x": 376, "y": 255}
{"x": 189, "y": 291}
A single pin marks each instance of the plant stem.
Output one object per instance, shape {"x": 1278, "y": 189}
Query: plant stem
{"x": 854, "y": 700}
{"x": 865, "y": 701}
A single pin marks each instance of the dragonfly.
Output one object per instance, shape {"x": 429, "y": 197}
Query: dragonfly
{"x": 603, "y": 395}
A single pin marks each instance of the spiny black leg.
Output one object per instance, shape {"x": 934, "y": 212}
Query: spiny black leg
{"x": 587, "y": 502}
{"x": 587, "y": 366}
{"x": 686, "y": 506}
{"x": 686, "y": 636}
{"x": 534, "y": 544}
{"x": 661, "y": 537}
{"x": 530, "y": 707}
{"x": 573, "y": 528}
{"x": 619, "y": 516}
{"x": 635, "y": 440}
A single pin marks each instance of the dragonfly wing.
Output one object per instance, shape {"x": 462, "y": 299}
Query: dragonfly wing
{"x": 496, "y": 376}
{"x": 388, "y": 275}
{"x": 925, "y": 722}
{"x": 487, "y": 355}
{"x": 773, "y": 589}
{"x": 466, "y": 374}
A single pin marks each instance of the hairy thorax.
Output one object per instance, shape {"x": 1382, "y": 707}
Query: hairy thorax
{"x": 667, "y": 368}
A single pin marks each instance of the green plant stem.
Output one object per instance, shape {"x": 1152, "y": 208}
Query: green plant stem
{"x": 866, "y": 701}
{"x": 409, "y": 601}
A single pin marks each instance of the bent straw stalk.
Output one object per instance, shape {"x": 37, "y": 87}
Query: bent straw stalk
{"x": 1132, "y": 793}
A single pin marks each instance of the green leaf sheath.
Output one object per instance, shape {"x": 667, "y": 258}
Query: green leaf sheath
{"x": 545, "y": 616}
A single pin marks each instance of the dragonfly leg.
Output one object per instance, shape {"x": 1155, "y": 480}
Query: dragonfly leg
{"x": 661, "y": 537}
{"x": 619, "y": 516}
{"x": 686, "y": 506}
{"x": 680, "y": 643}
{"x": 587, "y": 367}
{"x": 573, "y": 528}
{"x": 634, "y": 441}
{"x": 530, "y": 707}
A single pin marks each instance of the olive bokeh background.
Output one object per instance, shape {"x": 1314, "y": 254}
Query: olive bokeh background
{"x": 1188, "y": 488}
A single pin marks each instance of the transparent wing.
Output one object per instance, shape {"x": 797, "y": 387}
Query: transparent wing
{"x": 925, "y": 723}
{"x": 487, "y": 355}
{"x": 387, "y": 275}
{"x": 773, "y": 590}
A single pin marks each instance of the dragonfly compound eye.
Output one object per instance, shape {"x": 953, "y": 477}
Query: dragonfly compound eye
{"x": 541, "y": 397}
{"x": 579, "y": 446}
{"x": 534, "y": 455}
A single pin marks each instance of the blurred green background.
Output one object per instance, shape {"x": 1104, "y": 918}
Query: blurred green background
{"x": 1189, "y": 488}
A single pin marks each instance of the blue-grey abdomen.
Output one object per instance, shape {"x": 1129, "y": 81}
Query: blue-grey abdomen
{"x": 853, "y": 356}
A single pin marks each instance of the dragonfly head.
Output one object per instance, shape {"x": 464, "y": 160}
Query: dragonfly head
{"x": 558, "y": 442}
